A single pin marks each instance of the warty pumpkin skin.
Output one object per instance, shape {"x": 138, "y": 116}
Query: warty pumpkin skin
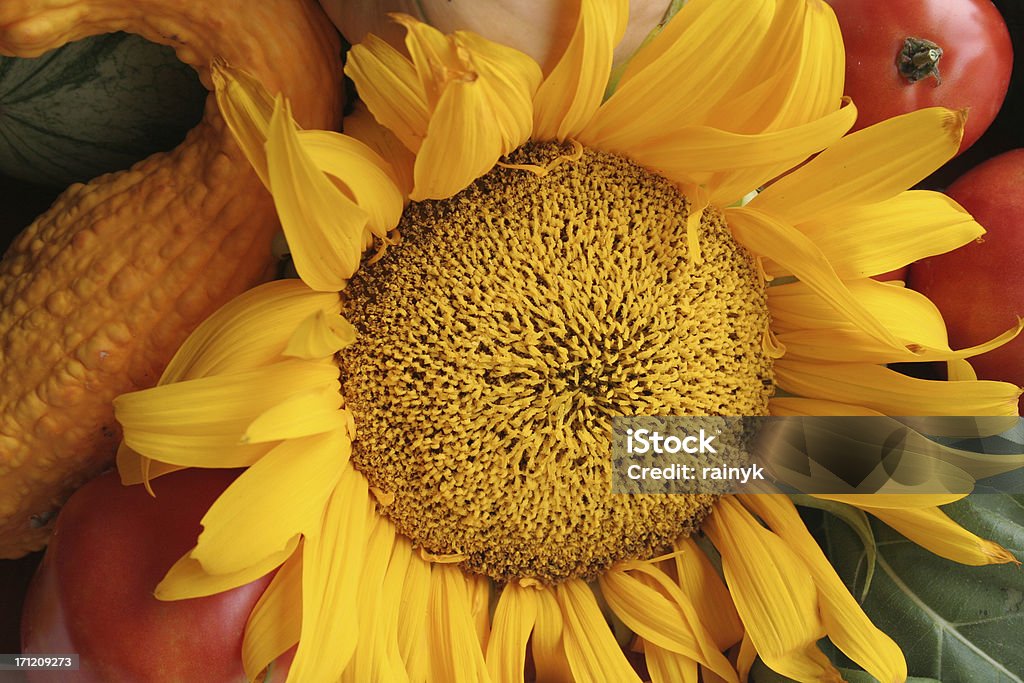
{"x": 97, "y": 294}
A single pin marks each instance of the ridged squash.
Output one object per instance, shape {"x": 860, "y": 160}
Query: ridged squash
{"x": 99, "y": 291}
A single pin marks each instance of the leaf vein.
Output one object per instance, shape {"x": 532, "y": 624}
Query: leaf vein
{"x": 945, "y": 626}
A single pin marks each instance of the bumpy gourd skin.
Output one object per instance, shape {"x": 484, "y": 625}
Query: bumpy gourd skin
{"x": 98, "y": 293}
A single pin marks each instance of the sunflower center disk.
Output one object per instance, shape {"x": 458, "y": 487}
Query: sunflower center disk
{"x": 498, "y": 340}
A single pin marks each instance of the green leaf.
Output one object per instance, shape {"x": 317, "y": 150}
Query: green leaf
{"x": 858, "y": 522}
{"x": 955, "y": 623}
{"x": 762, "y": 674}
{"x": 93, "y": 106}
{"x": 851, "y": 676}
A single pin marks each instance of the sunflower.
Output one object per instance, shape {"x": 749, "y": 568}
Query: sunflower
{"x": 521, "y": 258}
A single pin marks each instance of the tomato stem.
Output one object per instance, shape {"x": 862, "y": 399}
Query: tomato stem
{"x": 919, "y": 58}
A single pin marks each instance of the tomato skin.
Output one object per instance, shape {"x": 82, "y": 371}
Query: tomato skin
{"x": 975, "y": 65}
{"x": 980, "y": 287}
{"x": 93, "y": 593}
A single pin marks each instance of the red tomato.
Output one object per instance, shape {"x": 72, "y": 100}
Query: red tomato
{"x": 93, "y": 593}
{"x": 980, "y": 287}
{"x": 972, "y": 58}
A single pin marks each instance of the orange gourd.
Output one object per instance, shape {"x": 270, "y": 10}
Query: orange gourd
{"x": 97, "y": 293}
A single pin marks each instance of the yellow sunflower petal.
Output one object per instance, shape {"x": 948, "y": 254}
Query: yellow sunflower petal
{"x": 246, "y": 107}
{"x": 470, "y": 100}
{"x": 366, "y": 177}
{"x": 198, "y": 450}
{"x": 332, "y": 562}
{"x": 547, "y": 642}
{"x": 514, "y": 618}
{"x": 931, "y": 528}
{"x": 812, "y": 330}
{"x": 657, "y": 610}
{"x": 320, "y": 335}
{"x": 766, "y": 579}
{"x": 392, "y": 605}
{"x": 894, "y": 501}
{"x": 572, "y": 92}
{"x": 510, "y": 79}
{"x": 784, "y": 86}
{"x": 909, "y": 315}
{"x": 387, "y": 82}
{"x": 698, "y": 199}
{"x": 847, "y": 625}
{"x": 188, "y": 579}
{"x": 478, "y": 588}
{"x": 793, "y": 405}
{"x": 785, "y": 79}
{"x": 694, "y": 153}
{"x": 710, "y": 598}
{"x": 136, "y": 469}
{"x": 412, "y": 619}
{"x": 238, "y": 531}
{"x": 324, "y": 228}
{"x": 853, "y": 346}
{"x": 665, "y": 666}
{"x": 460, "y": 146}
{"x": 250, "y": 331}
{"x": 861, "y": 241}
{"x": 958, "y": 370}
{"x": 433, "y": 56}
{"x": 663, "y": 40}
{"x": 455, "y": 653}
{"x": 276, "y": 620}
{"x": 201, "y": 422}
{"x": 785, "y": 245}
{"x": 590, "y": 647}
{"x": 685, "y": 57}
{"x": 311, "y": 412}
{"x": 870, "y": 165}
{"x": 795, "y": 77}
{"x": 647, "y": 612}
{"x": 816, "y": 84}
{"x": 361, "y": 125}
{"x": 371, "y": 661}
{"x": 891, "y": 393}
{"x": 483, "y": 112}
